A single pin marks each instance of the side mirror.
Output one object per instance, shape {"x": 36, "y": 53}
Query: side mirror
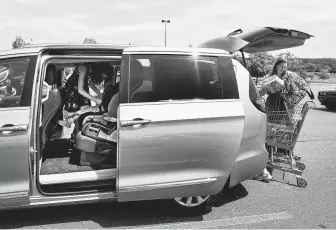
{"x": 45, "y": 92}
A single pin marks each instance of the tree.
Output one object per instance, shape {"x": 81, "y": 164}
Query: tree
{"x": 310, "y": 67}
{"x": 332, "y": 66}
{"x": 19, "y": 42}
{"x": 89, "y": 40}
{"x": 259, "y": 64}
{"x": 323, "y": 75}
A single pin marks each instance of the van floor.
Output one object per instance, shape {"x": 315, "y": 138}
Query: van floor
{"x": 58, "y": 160}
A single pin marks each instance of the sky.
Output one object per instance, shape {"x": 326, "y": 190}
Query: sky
{"x": 139, "y": 21}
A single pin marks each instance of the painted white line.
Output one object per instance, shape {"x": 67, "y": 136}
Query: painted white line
{"x": 220, "y": 223}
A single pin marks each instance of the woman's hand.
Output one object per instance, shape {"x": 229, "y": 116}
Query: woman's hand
{"x": 262, "y": 91}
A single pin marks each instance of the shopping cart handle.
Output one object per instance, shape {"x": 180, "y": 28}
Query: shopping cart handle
{"x": 311, "y": 103}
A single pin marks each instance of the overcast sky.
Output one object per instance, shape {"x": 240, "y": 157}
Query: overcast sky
{"x": 139, "y": 21}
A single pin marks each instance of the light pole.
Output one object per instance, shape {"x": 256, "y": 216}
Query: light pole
{"x": 165, "y": 22}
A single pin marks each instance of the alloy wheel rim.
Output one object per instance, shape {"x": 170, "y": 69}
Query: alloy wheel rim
{"x": 191, "y": 201}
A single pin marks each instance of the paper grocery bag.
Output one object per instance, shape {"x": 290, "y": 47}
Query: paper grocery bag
{"x": 273, "y": 84}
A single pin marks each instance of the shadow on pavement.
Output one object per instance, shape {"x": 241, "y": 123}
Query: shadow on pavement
{"x": 107, "y": 215}
{"x": 230, "y": 195}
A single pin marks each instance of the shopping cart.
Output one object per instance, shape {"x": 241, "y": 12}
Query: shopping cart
{"x": 283, "y": 129}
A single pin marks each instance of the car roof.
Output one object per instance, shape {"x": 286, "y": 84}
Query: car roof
{"x": 189, "y": 50}
{"x": 36, "y": 48}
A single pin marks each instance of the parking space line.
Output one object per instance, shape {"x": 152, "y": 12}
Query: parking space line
{"x": 226, "y": 222}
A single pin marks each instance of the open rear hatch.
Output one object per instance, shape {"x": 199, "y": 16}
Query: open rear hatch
{"x": 257, "y": 40}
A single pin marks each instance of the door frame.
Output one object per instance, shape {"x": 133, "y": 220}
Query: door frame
{"x": 44, "y": 60}
{"x": 21, "y": 198}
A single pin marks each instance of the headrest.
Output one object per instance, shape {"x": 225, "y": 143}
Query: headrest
{"x": 136, "y": 75}
{"x": 113, "y": 105}
{"x": 51, "y": 75}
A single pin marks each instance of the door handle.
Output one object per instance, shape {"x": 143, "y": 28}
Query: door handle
{"x": 137, "y": 122}
{"x": 13, "y": 128}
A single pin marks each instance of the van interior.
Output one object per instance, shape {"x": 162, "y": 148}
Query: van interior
{"x": 83, "y": 157}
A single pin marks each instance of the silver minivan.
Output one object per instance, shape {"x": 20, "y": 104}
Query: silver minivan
{"x": 184, "y": 125}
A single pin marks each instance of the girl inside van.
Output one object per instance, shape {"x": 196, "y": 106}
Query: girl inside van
{"x": 76, "y": 90}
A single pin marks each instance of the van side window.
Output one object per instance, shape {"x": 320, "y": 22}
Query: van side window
{"x": 13, "y": 78}
{"x": 228, "y": 76}
{"x": 170, "y": 77}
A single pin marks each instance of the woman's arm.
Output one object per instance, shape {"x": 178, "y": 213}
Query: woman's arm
{"x": 262, "y": 90}
{"x": 302, "y": 84}
{"x": 82, "y": 73}
{"x": 305, "y": 86}
{"x": 94, "y": 88}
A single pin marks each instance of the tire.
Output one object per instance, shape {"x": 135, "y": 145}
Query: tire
{"x": 196, "y": 210}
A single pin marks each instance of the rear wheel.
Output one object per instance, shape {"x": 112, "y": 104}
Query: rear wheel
{"x": 191, "y": 206}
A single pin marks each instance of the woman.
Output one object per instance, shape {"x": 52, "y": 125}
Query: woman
{"x": 285, "y": 99}
{"x": 77, "y": 93}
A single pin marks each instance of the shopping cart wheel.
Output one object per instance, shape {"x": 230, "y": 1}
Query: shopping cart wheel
{"x": 301, "y": 182}
{"x": 301, "y": 166}
{"x": 297, "y": 158}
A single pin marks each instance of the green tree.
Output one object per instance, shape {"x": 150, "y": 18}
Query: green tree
{"x": 332, "y": 67}
{"x": 89, "y": 40}
{"x": 259, "y": 64}
{"x": 310, "y": 67}
{"x": 324, "y": 75}
{"x": 19, "y": 42}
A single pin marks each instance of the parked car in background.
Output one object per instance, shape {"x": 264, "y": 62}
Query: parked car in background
{"x": 328, "y": 98}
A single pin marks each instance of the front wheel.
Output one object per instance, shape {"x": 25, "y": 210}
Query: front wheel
{"x": 192, "y": 206}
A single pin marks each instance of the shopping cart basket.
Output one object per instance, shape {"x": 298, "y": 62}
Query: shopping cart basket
{"x": 283, "y": 129}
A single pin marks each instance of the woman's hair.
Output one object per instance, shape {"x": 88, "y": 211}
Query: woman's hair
{"x": 277, "y": 62}
{"x": 99, "y": 68}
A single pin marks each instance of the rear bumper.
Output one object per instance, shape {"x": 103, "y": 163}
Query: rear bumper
{"x": 252, "y": 157}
